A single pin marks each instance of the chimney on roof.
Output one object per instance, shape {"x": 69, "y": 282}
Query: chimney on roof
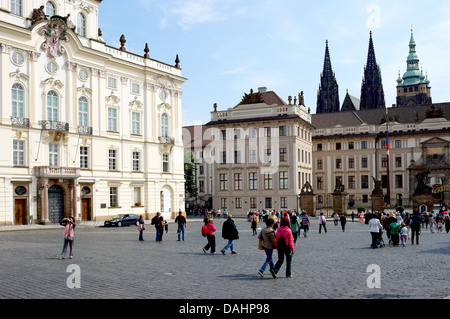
{"x": 262, "y": 90}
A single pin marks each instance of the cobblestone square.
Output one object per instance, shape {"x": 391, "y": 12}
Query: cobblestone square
{"x": 113, "y": 264}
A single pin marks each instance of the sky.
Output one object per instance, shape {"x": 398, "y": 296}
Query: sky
{"x": 227, "y": 47}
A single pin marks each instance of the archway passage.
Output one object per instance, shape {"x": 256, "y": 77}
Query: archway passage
{"x": 55, "y": 204}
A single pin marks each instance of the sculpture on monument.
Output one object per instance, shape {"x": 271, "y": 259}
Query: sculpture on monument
{"x": 422, "y": 187}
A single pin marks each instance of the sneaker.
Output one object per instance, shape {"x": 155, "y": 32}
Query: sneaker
{"x": 61, "y": 258}
{"x": 261, "y": 273}
{"x": 223, "y": 252}
{"x": 70, "y": 257}
{"x": 290, "y": 276}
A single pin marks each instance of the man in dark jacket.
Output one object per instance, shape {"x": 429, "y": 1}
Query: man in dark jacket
{"x": 229, "y": 232}
{"x": 416, "y": 220}
{"x": 160, "y": 224}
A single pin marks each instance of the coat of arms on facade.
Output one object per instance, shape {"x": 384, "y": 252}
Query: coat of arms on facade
{"x": 55, "y": 34}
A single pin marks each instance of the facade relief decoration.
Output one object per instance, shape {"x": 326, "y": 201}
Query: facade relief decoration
{"x": 55, "y": 34}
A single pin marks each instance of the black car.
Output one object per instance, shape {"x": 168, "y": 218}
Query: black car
{"x": 123, "y": 220}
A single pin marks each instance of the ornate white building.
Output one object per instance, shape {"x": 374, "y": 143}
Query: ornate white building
{"x": 87, "y": 130}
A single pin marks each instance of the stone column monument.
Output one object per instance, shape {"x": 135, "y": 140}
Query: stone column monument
{"x": 377, "y": 197}
{"x": 423, "y": 195}
{"x": 307, "y": 199}
{"x": 340, "y": 199}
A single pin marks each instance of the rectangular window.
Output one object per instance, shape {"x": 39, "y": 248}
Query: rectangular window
{"x": 283, "y": 180}
{"x": 112, "y": 119}
{"x": 237, "y": 157}
{"x": 351, "y": 182}
{"x": 112, "y": 83}
{"x": 18, "y": 153}
{"x": 364, "y": 162}
{"x": 319, "y": 147}
{"x": 84, "y": 157}
{"x": 201, "y": 170}
{"x": 252, "y": 181}
{"x": 223, "y": 182}
{"x": 237, "y": 134}
{"x": 252, "y": 156}
{"x": 384, "y": 162}
{"x": 365, "y": 181}
{"x": 267, "y": 132}
{"x": 238, "y": 201}
{"x": 238, "y": 181}
{"x": 223, "y": 203}
{"x": 283, "y": 130}
{"x": 165, "y": 163}
{"x": 137, "y": 196}
{"x": 364, "y": 145}
{"x": 136, "y": 161}
{"x": 351, "y": 163}
{"x": 53, "y": 153}
{"x": 201, "y": 186}
{"x": 338, "y": 163}
{"x": 223, "y": 159}
{"x": 268, "y": 182}
{"x": 268, "y": 202}
{"x": 398, "y": 162}
{"x": 351, "y": 145}
{"x": 113, "y": 197}
{"x": 320, "y": 164}
{"x": 398, "y": 181}
{"x": 283, "y": 154}
{"x": 253, "y": 203}
{"x": 283, "y": 202}
{"x": 135, "y": 123}
{"x": 398, "y": 144}
{"x": 16, "y": 7}
{"x": 112, "y": 160}
{"x": 338, "y": 146}
{"x": 224, "y": 134}
{"x": 320, "y": 183}
{"x": 135, "y": 89}
{"x": 268, "y": 155}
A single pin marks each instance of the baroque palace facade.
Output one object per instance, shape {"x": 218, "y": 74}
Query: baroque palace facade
{"x": 87, "y": 130}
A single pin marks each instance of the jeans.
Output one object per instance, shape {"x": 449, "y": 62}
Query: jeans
{"x": 159, "y": 234}
{"x": 228, "y": 245}
{"x": 281, "y": 253}
{"x": 269, "y": 260}
{"x": 324, "y": 227}
{"x": 180, "y": 231}
{"x": 70, "y": 242}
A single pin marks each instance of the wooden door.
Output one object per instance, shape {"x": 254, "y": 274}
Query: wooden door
{"x": 20, "y": 212}
{"x": 86, "y": 209}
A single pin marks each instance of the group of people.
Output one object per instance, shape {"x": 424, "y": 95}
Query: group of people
{"x": 400, "y": 227}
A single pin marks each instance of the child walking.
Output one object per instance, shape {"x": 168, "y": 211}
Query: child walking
{"x": 404, "y": 234}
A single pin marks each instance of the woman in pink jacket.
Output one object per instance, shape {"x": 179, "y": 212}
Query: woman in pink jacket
{"x": 285, "y": 247}
{"x": 69, "y": 224}
{"x": 211, "y": 237}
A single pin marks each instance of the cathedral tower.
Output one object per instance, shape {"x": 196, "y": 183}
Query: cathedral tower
{"x": 328, "y": 93}
{"x": 372, "y": 93}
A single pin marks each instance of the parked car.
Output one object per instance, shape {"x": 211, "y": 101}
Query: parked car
{"x": 123, "y": 220}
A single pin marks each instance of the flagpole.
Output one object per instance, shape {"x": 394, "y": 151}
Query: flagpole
{"x": 388, "y": 194}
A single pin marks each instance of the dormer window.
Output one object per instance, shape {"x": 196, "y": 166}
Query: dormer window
{"x": 50, "y": 9}
{"x": 81, "y": 24}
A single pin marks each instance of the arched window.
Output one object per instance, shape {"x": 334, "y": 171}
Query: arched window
{"x": 164, "y": 125}
{"x": 52, "y": 106}
{"x": 50, "y": 9}
{"x": 17, "y": 100}
{"x": 81, "y": 24}
{"x": 83, "y": 111}
{"x": 16, "y": 7}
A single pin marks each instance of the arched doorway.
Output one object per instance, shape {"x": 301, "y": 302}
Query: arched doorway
{"x": 55, "y": 204}
{"x": 166, "y": 200}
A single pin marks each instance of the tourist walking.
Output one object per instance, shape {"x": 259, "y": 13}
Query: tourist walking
{"x": 230, "y": 233}
{"x": 211, "y": 237}
{"x": 160, "y": 225}
{"x": 322, "y": 223}
{"x": 295, "y": 226}
{"x": 181, "y": 221}
{"x": 376, "y": 230}
{"x": 254, "y": 223}
{"x": 285, "y": 247}
{"x": 447, "y": 223}
{"x": 141, "y": 228}
{"x": 335, "y": 219}
{"x": 69, "y": 236}
{"x": 305, "y": 224}
{"x": 268, "y": 244}
{"x": 395, "y": 229}
{"x": 416, "y": 221}
{"x": 343, "y": 220}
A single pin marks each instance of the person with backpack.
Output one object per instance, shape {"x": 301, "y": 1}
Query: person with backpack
{"x": 230, "y": 233}
{"x": 285, "y": 247}
{"x": 322, "y": 223}
{"x": 211, "y": 237}
{"x": 295, "y": 226}
{"x": 395, "y": 233}
{"x": 416, "y": 221}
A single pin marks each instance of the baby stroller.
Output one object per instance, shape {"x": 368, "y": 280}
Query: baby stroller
{"x": 380, "y": 241}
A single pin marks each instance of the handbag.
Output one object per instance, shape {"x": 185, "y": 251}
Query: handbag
{"x": 260, "y": 247}
{"x": 69, "y": 238}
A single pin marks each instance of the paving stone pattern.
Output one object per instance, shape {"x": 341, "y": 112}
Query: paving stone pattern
{"x": 115, "y": 265}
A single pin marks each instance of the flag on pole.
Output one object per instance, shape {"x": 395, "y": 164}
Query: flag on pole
{"x": 387, "y": 143}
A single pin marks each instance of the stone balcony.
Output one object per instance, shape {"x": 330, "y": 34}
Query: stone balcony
{"x": 20, "y": 121}
{"x": 56, "y": 172}
{"x": 54, "y": 126}
{"x": 85, "y": 130}
{"x": 167, "y": 140}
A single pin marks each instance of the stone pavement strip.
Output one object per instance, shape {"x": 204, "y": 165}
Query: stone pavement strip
{"x": 110, "y": 263}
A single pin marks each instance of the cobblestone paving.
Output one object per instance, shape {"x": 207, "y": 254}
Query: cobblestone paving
{"x": 114, "y": 264}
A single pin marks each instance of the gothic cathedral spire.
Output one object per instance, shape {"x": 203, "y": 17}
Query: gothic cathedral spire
{"x": 328, "y": 93}
{"x": 372, "y": 93}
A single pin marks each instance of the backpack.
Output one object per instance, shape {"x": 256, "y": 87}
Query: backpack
{"x": 395, "y": 229}
{"x": 281, "y": 243}
{"x": 204, "y": 231}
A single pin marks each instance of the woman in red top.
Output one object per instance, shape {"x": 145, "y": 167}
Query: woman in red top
{"x": 211, "y": 237}
{"x": 285, "y": 247}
